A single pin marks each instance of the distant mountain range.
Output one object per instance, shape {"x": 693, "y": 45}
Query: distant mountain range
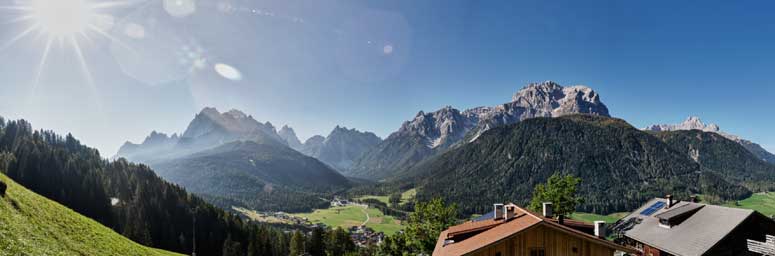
{"x": 620, "y": 166}
{"x": 694, "y": 123}
{"x": 231, "y": 159}
{"x": 473, "y": 157}
{"x": 340, "y": 148}
{"x": 429, "y": 134}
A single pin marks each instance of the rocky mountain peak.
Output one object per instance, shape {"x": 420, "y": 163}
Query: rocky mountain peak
{"x": 317, "y": 139}
{"x": 695, "y": 123}
{"x": 691, "y": 123}
{"x": 158, "y": 137}
{"x": 289, "y": 135}
{"x": 546, "y": 99}
{"x": 341, "y": 147}
{"x": 551, "y": 99}
{"x": 236, "y": 114}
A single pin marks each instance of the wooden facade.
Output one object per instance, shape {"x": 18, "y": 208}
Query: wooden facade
{"x": 543, "y": 240}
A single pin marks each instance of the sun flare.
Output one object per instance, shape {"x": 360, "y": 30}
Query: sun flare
{"x": 65, "y": 21}
{"x": 62, "y": 17}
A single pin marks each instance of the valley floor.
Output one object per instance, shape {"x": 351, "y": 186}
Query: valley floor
{"x": 354, "y": 215}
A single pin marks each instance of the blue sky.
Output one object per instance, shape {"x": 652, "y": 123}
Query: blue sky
{"x": 373, "y": 64}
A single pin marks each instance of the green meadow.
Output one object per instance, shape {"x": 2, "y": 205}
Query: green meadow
{"x": 353, "y": 215}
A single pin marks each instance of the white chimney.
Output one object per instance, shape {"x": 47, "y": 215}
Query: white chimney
{"x": 510, "y": 211}
{"x": 548, "y": 210}
{"x": 498, "y": 211}
{"x": 600, "y": 229}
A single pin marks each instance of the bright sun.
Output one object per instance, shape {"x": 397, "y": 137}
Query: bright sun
{"x": 65, "y": 21}
{"x": 61, "y": 18}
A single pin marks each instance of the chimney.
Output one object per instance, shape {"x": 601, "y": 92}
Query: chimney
{"x": 669, "y": 200}
{"x": 498, "y": 211}
{"x": 509, "y": 212}
{"x": 561, "y": 219}
{"x": 600, "y": 229}
{"x": 547, "y": 210}
{"x": 693, "y": 198}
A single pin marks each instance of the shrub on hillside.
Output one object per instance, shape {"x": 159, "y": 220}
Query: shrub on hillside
{"x": 2, "y": 188}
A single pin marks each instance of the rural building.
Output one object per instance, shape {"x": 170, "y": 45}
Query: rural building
{"x": 514, "y": 231}
{"x": 664, "y": 226}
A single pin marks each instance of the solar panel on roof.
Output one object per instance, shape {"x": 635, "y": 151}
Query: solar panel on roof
{"x": 653, "y": 208}
{"x": 486, "y": 216}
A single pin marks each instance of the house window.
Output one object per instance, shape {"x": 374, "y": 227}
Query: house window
{"x": 537, "y": 251}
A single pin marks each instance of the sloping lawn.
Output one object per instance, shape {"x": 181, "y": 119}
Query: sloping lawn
{"x": 34, "y": 225}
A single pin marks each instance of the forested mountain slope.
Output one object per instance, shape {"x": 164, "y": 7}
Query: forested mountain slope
{"x": 258, "y": 176}
{"x": 33, "y": 225}
{"x": 145, "y": 208}
{"x": 717, "y": 153}
{"x": 620, "y": 166}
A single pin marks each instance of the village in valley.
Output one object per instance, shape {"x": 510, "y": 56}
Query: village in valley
{"x": 343, "y": 213}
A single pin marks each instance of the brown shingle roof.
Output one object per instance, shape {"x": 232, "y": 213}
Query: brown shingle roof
{"x": 492, "y": 231}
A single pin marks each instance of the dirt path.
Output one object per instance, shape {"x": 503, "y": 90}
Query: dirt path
{"x": 367, "y": 215}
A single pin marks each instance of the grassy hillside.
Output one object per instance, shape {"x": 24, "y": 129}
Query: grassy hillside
{"x": 591, "y": 217}
{"x": 406, "y": 196}
{"x": 33, "y": 225}
{"x": 352, "y": 215}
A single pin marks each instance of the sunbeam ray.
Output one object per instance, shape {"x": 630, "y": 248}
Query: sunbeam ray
{"x": 17, "y": 8}
{"x": 19, "y": 19}
{"x": 111, "y": 38}
{"x": 18, "y": 37}
{"x": 41, "y": 66}
{"x": 114, "y": 4}
{"x": 85, "y": 69}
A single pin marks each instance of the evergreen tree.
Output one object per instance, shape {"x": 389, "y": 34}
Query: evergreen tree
{"x": 339, "y": 242}
{"x": 316, "y": 243}
{"x": 3, "y": 187}
{"x": 297, "y": 244}
{"x": 231, "y": 247}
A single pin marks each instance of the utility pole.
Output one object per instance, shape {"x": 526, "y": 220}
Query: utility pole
{"x": 193, "y": 253}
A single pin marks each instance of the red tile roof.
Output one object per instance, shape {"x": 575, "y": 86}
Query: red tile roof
{"x": 484, "y": 233}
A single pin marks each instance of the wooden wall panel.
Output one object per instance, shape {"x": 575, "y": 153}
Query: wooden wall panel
{"x": 555, "y": 243}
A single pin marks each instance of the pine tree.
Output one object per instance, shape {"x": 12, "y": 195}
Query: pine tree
{"x": 316, "y": 245}
{"x": 297, "y": 244}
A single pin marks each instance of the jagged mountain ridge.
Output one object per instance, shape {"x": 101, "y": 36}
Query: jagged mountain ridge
{"x": 289, "y": 136}
{"x": 207, "y": 130}
{"x": 429, "y": 134}
{"x": 695, "y": 123}
{"x": 339, "y": 149}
